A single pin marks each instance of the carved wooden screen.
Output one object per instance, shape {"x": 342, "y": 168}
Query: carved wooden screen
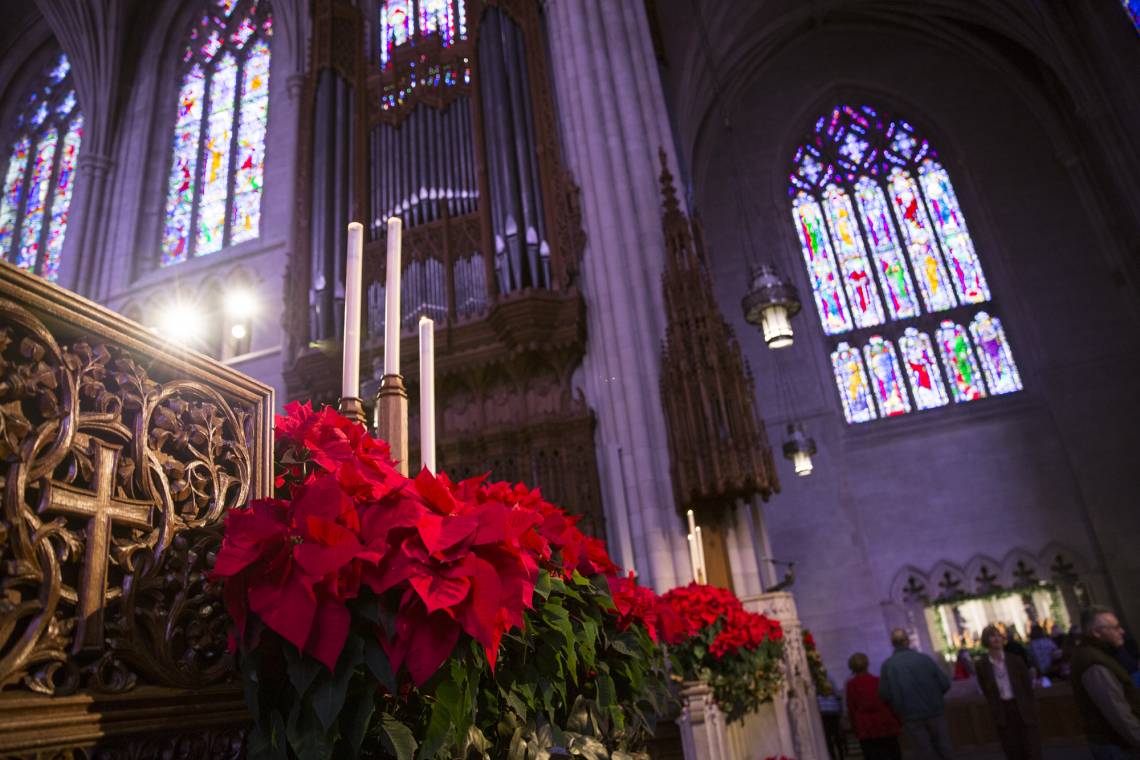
{"x": 120, "y": 459}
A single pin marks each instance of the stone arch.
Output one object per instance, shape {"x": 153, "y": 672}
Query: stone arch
{"x": 910, "y": 585}
{"x": 947, "y": 581}
{"x": 1020, "y": 568}
{"x": 1061, "y": 564}
{"x": 983, "y": 574}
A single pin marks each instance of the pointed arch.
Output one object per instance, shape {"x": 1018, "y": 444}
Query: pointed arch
{"x": 217, "y": 160}
{"x": 886, "y": 246}
{"x": 39, "y": 173}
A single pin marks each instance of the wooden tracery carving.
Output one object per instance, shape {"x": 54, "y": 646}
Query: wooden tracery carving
{"x": 120, "y": 460}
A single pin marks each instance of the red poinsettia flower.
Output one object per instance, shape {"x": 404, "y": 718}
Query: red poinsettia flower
{"x": 290, "y": 557}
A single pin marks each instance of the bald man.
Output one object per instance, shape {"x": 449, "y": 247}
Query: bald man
{"x": 913, "y": 685}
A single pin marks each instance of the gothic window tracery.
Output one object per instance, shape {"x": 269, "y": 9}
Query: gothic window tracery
{"x": 40, "y": 173}
{"x": 217, "y": 167}
{"x": 894, "y": 270}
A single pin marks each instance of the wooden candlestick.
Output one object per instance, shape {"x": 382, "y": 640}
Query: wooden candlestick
{"x": 352, "y": 408}
{"x": 392, "y": 418}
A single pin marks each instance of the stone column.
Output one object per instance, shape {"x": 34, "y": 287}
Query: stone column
{"x": 795, "y": 718}
{"x": 703, "y": 733}
{"x": 78, "y": 269}
{"x": 613, "y": 120}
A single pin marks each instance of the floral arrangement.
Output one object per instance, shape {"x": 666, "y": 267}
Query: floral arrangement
{"x": 738, "y": 653}
{"x": 815, "y": 665}
{"x": 381, "y": 616}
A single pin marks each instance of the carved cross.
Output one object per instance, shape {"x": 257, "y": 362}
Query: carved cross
{"x": 103, "y": 510}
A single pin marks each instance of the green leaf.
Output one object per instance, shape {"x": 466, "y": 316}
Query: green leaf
{"x": 542, "y": 586}
{"x": 306, "y": 738}
{"x": 331, "y": 690}
{"x": 302, "y": 669}
{"x": 438, "y": 731}
{"x": 623, "y": 645}
{"x": 607, "y": 692}
{"x": 379, "y": 665}
{"x": 397, "y": 738}
{"x": 357, "y": 716}
{"x": 516, "y": 703}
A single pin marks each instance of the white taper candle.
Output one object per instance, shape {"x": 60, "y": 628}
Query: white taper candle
{"x": 392, "y": 299}
{"x": 350, "y": 368}
{"x": 694, "y": 560}
{"x": 701, "y": 556}
{"x": 427, "y": 393}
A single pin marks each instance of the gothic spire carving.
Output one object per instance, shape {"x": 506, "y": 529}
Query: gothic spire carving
{"x": 718, "y": 446}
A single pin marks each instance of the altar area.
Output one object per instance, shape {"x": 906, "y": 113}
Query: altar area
{"x": 124, "y": 456}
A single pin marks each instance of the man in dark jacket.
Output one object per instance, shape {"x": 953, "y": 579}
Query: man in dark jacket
{"x": 1107, "y": 698}
{"x": 1008, "y": 688}
{"x": 913, "y": 686}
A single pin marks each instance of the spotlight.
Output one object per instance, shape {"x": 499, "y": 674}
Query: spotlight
{"x": 181, "y": 324}
{"x": 238, "y": 331}
{"x": 241, "y": 303}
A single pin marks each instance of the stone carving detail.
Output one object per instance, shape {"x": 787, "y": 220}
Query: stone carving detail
{"x": 113, "y": 490}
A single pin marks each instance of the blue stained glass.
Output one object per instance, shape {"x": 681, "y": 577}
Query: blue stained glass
{"x": 851, "y": 379}
{"x": 847, "y": 242}
{"x": 215, "y": 170}
{"x": 438, "y": 17}
{"x": 894, "y": 275}
{"x": 918, "y": 359}
{"x": 61, "y": 204}
{"x": 960, "y": 363}
{"x": 1132, "y": 8}
{"x": 250, "y": 161}
{"x": 184, "y": 168}
{"x": 35, "y": 204}
{"x": 924, "y": 255}
{"x": 997, "y": 360}
{"x": 13, "y": 185}
{"x": 886, "y": 378}
{"x": 396, "y": 22}
{"x": 966, "y": 271}
{"x": 820, "y": 260}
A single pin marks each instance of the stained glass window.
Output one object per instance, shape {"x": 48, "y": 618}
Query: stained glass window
{"x": 898, "y": 289}
{"x": 886, "y": 378}
{"x": 886, "y": 246}
{"x": 851, "y": 379}
{"x": 997, "y": 360}
{"x": 966, "y": 272}
{"x": 858, "y": 276}
{"x": 824, "y": 275}
{"x": 40, "y": 174}
{"x": 1132, "y": 8}
{"x": 404, "y": 21}
{"x": 960, "y": 362}
{"x": 922, "y": 369}
{"x": 217, "y": 167}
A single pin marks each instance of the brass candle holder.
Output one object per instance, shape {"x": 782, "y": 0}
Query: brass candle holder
{"x": 353, "y": 408}
{"x": 392, "y": 418}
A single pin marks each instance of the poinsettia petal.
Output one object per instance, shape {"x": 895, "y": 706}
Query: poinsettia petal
{"x": 442, "y": 532}
{"x": 329, "y": 631}
{"x": 434, "y": 493}
{"x": 288, "y": 608}
{"x": 439, "y": 593}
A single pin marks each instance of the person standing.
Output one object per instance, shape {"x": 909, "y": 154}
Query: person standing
{"x": 913, "y": 685}
{"x": 831, "y": 712}
{"x": 875, "y": 726}
{"x": 1108, "y": 700}
{"x": 1008, "y": 689}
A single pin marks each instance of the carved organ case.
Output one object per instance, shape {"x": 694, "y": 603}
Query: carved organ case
{"x": 440, "y": 112}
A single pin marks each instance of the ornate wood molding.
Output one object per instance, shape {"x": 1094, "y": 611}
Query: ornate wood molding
{"x": 718, "y": 446}
{"x": 121, "y": 457}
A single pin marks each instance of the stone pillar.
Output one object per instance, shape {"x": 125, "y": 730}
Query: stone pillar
{"x": 80, "y": 270}
{"x": 703, "y": 733}
{"x": 613, "y": 120}
{"x": 795, "y": 720}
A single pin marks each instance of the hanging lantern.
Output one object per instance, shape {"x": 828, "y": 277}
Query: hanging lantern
{"x": 798, "y": 447}
{"x": 770, "y": 303}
